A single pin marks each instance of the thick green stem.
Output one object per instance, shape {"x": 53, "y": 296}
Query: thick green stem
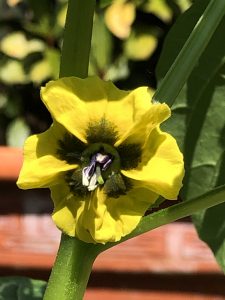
{"x": 175, "y": 212}
{"x": 186, "y": 60}
{"x": 71, "y": 270}
{"x": 74, "y": 260}
{"x": 77, "y": 38}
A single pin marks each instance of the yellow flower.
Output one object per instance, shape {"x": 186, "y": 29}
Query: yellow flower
{"x": 104, "y": 158}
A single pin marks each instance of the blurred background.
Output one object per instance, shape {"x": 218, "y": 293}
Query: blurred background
{"x": 168, "y": 263}
{"x": 127, "y": 41}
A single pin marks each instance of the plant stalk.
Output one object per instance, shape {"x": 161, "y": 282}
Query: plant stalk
{"x": 71, "y": 270}
{"x": 77, "y": 38}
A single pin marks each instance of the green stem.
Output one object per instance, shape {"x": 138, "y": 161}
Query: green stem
{"x": 173, "y": 213}
{"x": 190, "y": 53}
{"x": 77, "y": 38}
{"x": 71, "y": 270}
{"x": 74, "y": 260}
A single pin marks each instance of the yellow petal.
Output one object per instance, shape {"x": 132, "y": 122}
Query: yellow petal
{"x": 117, "y": 217}
{"x": 41, "y": 166}
{"x": 99, "y": 219}
{"x": 75, "y": 103}
{"x": 67, "y": 211}
{"x": 139, "y": 132}
{"x": 162, "y": 168}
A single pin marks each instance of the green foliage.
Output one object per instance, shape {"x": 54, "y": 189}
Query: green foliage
{"x": 141, "y": 45}
{"x": 21, "y": 288}
{"x": 101, "y": 53}
{"x": 17, "y": 132}
{"x": 104, "y": 3}
{"x": 126, "y": 42}
{"x": 30, "y": 40}
{"x": 198, "y": 123}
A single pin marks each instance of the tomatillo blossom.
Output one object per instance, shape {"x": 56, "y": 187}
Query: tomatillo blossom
{"x": 104, "y": 158}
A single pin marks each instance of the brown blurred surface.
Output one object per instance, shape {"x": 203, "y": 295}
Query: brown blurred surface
{"x": 167, "y": 263}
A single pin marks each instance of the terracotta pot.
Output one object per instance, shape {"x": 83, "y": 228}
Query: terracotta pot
{"x": 10, "y": 162}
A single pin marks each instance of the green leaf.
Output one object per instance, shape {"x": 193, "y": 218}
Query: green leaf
{"x": 101, "y": 49}
{"x": 12, "y": 72}
{"x": 16, "y": 45}
{"x": 104, "y": 3}
{"x": 183, "y": 4}
{"x": 118, "y": 69}
{"x": 3, "y": 100}
{"x": 46, "y": 68}
{"x": 40, "y": 71}
{"x": 141, "y": 44}
{"x": 17, "y": 132}
{"x": 159, "y": 8}
{"x": 21, "y": 288}
{"x": 198, "y": 123}
{"x": 42, "y": 9}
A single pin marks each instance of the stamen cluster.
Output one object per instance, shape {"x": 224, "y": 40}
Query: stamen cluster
{"x": 99, "y": 161}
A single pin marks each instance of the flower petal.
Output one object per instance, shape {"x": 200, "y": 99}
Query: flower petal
{"x": 75, "y": 103}
{"x": 139, "y": 132}
{"x": 99, "y": 219}
{"x": 67, "y": 211}
{"x": 116, "y": 217}
{"x": 41, "y": 166}
{"x": 162, "y": 167}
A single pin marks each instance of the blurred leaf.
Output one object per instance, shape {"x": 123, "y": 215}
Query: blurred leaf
{"x": 42, "y": 9}
{"x": 44, "y": 19}
{"x": 13, "y": 73}
{"x": 101, "y": 45}
{"x": 46, "y": 68}
{"x": 183, "y": 4}
{"x": 42, "y": 28}
{"x": 17, "y": 46}
{"x": 21, "y": 288}
{"x": 160, "y": 8}
{"x": 140, "y": 45}
{"x": 53, "y": 57}
{"x": 104, "y": 3}
{"x": 40, "y": 71}
{"x": 61, "y": 18}
{"x": 118, "y": 70}
{"x": 17, "y": 132}
{"x": 8, "y": 13}
{"x": 3, "y": 100}
{"x": 119, "y": 17}
{"x": 13, "y": 3}
{"x": 198, "y": 122}
{"x": 13, "y": 107}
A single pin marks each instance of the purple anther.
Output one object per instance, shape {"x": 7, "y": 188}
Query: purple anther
{"x": 106, "y": 164}
{"x": 104, "y": 160}
{"x": 101, "y": 158}
{"x": 89, "y": 170}
{"x": 91, "y": 175}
